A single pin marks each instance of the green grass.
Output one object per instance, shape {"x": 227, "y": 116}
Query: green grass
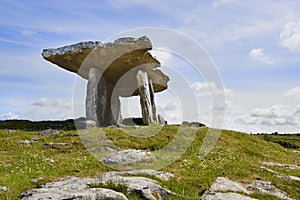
{"x": 236, "y": 156}
{"x": 291, "y": 141}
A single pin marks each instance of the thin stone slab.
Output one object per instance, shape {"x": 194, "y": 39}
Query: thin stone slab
{"x": 115, "y": 59}
{"x": 145, "y": 97}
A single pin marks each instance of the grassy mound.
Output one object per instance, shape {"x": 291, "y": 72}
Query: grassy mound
{"x": 236, "y": 155}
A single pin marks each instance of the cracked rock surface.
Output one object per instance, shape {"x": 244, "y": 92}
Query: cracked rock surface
{"x": 86, "y": 188}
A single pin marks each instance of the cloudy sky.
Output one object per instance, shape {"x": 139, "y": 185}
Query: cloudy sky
{"x": 255, "y": 46}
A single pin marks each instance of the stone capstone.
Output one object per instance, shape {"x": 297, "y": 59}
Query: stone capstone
{"x": 90, "y": 188}
{"x": 121, "y": 58}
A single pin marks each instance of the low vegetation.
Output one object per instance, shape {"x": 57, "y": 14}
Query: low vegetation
{"x": 236, "y": 155}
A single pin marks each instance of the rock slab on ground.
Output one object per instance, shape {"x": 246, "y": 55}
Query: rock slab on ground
{"x": 224, "y": 189}
{"x": 3, "y": 189}
{"x": 86, "y": 188}
{"x": 128, "y": 156}
{"x": 224, "y": 196}
{"x": 224, "y": 184}
{"x": 47, "y": 132}
{"x": 289, "y": 166}
{"x": 265, "y": 187}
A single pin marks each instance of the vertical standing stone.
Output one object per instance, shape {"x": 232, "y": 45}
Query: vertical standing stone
{"x": 92, "y": 96}
{"x": 145, "y": 99}
{"x": 112, "y": 107}
{"x": 101, "y": 105}
{"x": 151, "y": 90}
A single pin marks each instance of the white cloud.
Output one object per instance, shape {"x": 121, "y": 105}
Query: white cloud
{"x": 217, "y": 3}
{"x": 259, "y": 55}
{"x": 9, "y": 115}
{"x": 290, "y": 35}
{"x": 38, "y": 109}
{"x": 293, "y": 92}
{"x": 277, "y": 115}
{"x": 28, "y": 33}
{"x": 209, "y": 89}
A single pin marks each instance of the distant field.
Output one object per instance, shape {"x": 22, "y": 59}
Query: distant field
{"x": 236, "y": 155}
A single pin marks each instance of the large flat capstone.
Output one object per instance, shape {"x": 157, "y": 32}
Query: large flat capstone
{"x": 119, "y": 61}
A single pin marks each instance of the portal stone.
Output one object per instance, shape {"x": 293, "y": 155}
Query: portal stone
{"x": 145, "y": 99}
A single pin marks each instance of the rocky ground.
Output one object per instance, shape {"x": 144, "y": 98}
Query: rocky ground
{"x": 53, "y": 163}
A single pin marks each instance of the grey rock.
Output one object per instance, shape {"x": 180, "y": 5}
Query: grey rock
{"x": 141, "y": 185}
{"x": 25, "y": 142}
{"x": 145, "y": 97}
{"x": 72, "y": 135}
{"x": 55, "y": 144}
{"x": 224, "y": 189}
{"x": 153, "y": 106}
{"x": 3, "y": 189}
{"x": 160, "y": 119}
{"x": 287, "y": 177}
{"x": 194, "y": 124}
{"x": 47, "y": 132}
{"x": 197, "y": 124}
{"x": 268, "y": 170}
{"x": 158, "y": 174}
{"x": 82, "y": 123}
{"x": 224, "y": 196}
{"x": 90, "y": 124}
{"x": 8, "y": 131}
{"x": 71, "y": 188}
{"x": 102, "y": 104}
{"x": 264, "y": 187}
{"x": 224, "y": 184}
{"x": 92, "y": 96}
{"x": 283, "y": 176}
{"x": 136, "y": 127}
{"x": 274, "y": 164}
{"x": 120, "y": 57}
{"x": 120, "y": 125}
{"x": 36, "y": 180}
{"x": 82, "y": 188}
{"x": 34, "y": 139}
{"x": 127, "y": 156}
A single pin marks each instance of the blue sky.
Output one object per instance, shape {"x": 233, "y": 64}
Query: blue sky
{"x": 254, "y": 44}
